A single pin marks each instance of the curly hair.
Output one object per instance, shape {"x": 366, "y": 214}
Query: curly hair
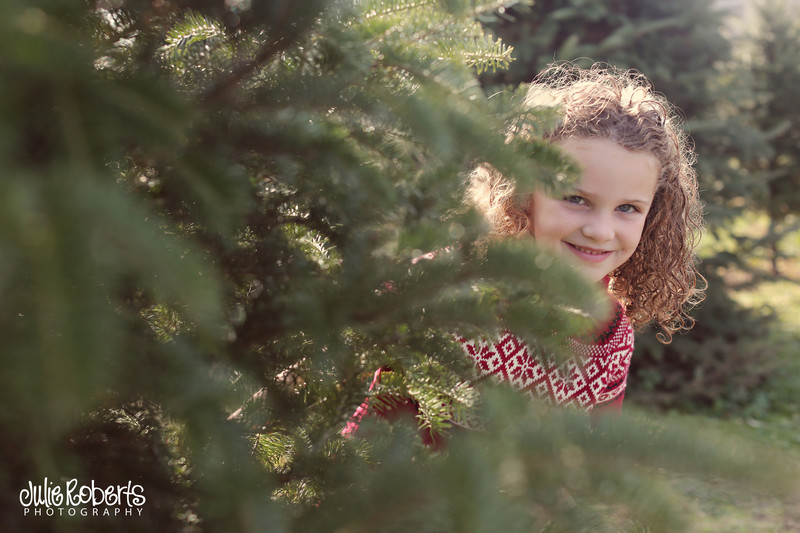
{"x": 660, "y": 283}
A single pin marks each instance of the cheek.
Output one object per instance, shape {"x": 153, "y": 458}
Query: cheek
{"x": 646, "y": 226}
{"x": 546, "y": 224}
{"x": 635, "y": 238}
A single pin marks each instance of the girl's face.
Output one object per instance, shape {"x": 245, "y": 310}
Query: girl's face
{"x": 598, "y": 225}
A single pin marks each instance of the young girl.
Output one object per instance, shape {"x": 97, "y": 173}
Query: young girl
{"x": 631, "y": 222}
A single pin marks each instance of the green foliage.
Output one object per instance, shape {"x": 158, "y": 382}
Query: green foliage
{"x": 196, "y": 49}
{"x": 209, "y": 217}
{"x": 772, "y": 49}
{"x": 607, "y": 475}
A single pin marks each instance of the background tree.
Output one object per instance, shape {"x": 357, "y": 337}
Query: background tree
{"x": 775, "y": 74}
{"x": 205, "y": 201}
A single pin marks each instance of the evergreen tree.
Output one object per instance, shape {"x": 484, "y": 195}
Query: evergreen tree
{"x": 209, "y": 217}
{"x": 773, "y": 64}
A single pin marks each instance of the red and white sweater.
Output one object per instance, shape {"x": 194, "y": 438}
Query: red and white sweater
{"x": 595, "y": 376}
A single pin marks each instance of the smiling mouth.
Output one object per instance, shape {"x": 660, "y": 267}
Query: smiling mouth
{"x": 589, "y": 255}
{"x": 590, "y": 251}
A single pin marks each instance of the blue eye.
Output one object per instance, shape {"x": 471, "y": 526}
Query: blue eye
{"x": 574, "y": 199}
{"x": 628, "y": 208}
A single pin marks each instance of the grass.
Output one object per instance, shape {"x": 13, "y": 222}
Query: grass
{"x": 723, "y": 506}
{"x": 718, "y": 506}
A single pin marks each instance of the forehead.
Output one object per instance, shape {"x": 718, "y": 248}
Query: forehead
{"x": 608, "y": 168}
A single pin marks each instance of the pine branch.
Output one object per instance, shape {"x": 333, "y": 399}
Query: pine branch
{"x": 371, "y": 9}
{"x": 222, "y": 89}
{"x": 195, "y": 29}
{"x": 481, "y": 53}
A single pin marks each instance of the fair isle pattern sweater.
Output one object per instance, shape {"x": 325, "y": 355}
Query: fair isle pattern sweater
{"x": 595, "y": 376}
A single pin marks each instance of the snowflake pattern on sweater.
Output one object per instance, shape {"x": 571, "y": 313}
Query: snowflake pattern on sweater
{"x": 596, "y": 375}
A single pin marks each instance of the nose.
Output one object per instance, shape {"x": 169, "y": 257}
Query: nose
{"x": 598, "y": 227}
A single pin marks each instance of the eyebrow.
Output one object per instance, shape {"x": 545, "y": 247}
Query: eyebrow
{"x": 632, "y": 201}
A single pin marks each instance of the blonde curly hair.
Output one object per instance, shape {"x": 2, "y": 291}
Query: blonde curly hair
{"x": 660, "y": 282}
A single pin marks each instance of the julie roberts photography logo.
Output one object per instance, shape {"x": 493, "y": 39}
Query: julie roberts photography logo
{"x": 71, "y": 498}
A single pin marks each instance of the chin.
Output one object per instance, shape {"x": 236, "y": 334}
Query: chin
{"x": 595, "y": 276}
